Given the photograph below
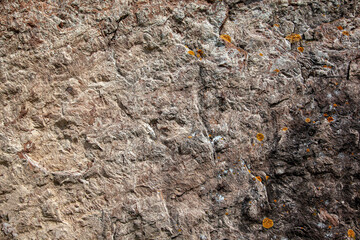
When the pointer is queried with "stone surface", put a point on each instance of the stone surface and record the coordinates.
(110, 129)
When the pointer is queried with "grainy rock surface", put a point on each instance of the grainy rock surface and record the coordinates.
(139, 119)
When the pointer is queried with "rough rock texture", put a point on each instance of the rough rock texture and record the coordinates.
(111, 128)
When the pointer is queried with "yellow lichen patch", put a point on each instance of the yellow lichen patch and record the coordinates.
(225, 37)
(277, 70)
(301, 49)
(260, 137)
(307, 120)
(351, 233)
(284, 129)
(340, 28)
(330, 119)
(293, 37)
(189, 136)
(346, 33)
(267, 177)
(259, 178)
(191, 53)
(276, 25)
(267, 223)
(249, 171)
(179, 230)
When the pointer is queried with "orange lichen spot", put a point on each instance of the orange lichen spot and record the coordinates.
(209, 135)
(260, 137)
(293, 37)
(351, 233)
(330, 119)
(301, 49)
(336, 83)
(191, 53)
(330, 227)
(283, 205)
(340, 28)
(314, 121)
(275, 200)
(218, 157)
(301, 228)
(335, 105)
(250, 202)
(267, 177)
(267, 223)
(259, 178)
(346, 33)
(284, 129)
(261, 54)
(249, 171)
(253, 178)
(325, 115)
(277, 70)
(226, 213)
(307, 150)
(225, 37)
(347, 103)
(307, 120)
(189, 136)
(276, 25)
(200, 54)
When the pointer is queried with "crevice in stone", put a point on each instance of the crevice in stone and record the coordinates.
(123, 17)
(201, 91)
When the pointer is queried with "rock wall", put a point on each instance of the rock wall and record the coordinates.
(164, 119)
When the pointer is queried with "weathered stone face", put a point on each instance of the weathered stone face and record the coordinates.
(127, 119)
